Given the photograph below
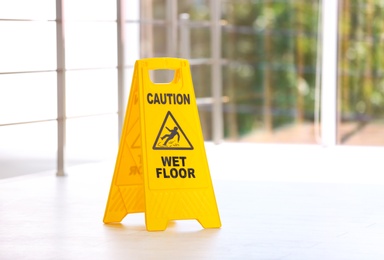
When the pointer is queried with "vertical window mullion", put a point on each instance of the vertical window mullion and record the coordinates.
(61, 93)
(172, 20)
(120, 65)
(329, 72)
(217, 115)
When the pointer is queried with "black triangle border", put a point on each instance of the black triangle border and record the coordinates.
(181, 130)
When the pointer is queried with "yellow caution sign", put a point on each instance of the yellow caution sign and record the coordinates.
(161, 167)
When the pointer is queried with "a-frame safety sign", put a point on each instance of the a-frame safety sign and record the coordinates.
(161, 167)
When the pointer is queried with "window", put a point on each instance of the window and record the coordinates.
(28, 107)
(360, 78)
(256, 68)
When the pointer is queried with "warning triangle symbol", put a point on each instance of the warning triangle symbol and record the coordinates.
(171, 136)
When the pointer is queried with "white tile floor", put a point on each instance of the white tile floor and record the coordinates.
(277, 209)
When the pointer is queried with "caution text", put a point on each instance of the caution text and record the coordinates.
(168, 98)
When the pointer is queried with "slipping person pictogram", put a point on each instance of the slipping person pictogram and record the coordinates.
(172, 134)
(166, 138)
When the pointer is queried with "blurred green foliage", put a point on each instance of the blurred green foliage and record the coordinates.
(271, 53)
(270, 58)
(361, 60)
